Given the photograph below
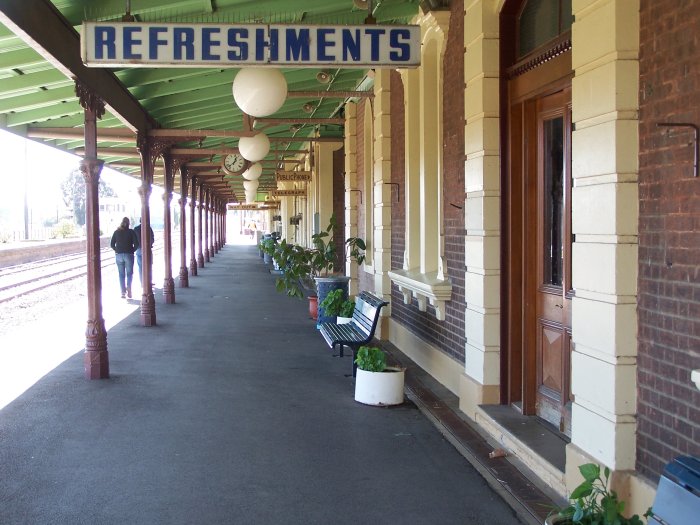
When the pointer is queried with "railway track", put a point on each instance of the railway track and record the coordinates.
(24, 279)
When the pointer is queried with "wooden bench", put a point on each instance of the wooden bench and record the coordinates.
(357, 332)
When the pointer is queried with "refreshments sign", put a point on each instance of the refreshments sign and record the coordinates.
(133, 44)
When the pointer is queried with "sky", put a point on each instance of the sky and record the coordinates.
(39, 169)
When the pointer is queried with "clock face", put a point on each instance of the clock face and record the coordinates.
(234, 163)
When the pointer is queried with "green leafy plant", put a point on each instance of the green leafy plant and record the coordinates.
(293, 261)
(324, 256)
(370, 359)
(593, 503)
(268, 246)
(336, 304)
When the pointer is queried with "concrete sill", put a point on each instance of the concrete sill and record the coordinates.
(425, 287)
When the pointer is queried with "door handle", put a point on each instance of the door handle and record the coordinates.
(559, 305)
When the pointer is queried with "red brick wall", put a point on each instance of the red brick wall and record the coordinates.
(669, 237)
(339, 205)
(447, 335)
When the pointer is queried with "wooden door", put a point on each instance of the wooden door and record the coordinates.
(547, 256)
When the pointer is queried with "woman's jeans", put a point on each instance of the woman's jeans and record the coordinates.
(125, 266)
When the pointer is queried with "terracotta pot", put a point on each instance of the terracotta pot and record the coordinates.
(313, 307)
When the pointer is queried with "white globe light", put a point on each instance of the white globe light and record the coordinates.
(250, 197)
(253, 173)
(250, 185)
(259, 91)
(254, 148)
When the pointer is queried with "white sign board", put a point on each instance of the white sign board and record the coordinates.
(133, 44)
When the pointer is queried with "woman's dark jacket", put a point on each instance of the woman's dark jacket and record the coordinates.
(124, 241)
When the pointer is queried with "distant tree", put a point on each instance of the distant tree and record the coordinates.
(73, 188)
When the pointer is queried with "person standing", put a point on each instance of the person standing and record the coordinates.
(124, 243)
(137, 230)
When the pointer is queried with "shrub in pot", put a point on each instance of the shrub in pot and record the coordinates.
(336, 304)
(377, 384)
(325, 261)
(593, 503)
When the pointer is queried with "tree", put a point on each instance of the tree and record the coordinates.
(74, 196)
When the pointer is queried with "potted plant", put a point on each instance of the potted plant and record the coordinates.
(337, 304)
(593, 503)
(268, 246)
(377, 384)
(324, 262)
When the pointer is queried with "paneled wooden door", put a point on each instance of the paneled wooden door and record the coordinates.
(547, 256)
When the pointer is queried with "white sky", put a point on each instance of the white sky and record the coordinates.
(43, 168)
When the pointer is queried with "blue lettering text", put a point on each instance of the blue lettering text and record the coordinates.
(154, 41)
(208, 43)
(130, 42)
(237, 44)
(297, 45)
(183, 38)
(351, 46)
(397, 41)
(374, 42)
(104, 38)
(323, 44)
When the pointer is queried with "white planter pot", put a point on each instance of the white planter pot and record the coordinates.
(380, 388)
(342, 320)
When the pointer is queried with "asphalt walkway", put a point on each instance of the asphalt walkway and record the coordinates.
(230, 411)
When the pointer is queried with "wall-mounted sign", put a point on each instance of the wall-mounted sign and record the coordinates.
(261, 206)
(133, 44)
(295, 176)
(288, 193)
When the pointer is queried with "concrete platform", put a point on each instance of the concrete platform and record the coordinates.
(230, 410)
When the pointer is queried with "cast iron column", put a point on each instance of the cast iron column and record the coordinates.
(169, 282)
(148, 154)
(217, 224)
(184, 279)
(200, 254)
(207, 203)
(96, 357)
(193, 200)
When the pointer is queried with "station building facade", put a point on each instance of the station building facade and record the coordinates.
(533, 225)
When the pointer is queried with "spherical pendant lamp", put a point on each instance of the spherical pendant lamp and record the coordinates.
(253, 173)
(259, 91)
(250, 185)
(254, 148)
(250, 196)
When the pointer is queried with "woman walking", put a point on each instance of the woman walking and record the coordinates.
(124, 243)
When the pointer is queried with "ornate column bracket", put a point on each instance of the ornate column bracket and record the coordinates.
(88, 99)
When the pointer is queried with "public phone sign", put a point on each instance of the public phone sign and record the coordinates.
(131, 44)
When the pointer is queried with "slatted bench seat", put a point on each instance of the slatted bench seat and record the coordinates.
(357, 332)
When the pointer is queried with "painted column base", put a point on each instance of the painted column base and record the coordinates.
(184, 278)
(206, 255)
(148, 310)
(169, 291)
(96, 358)
(472, 394)
(200, 260)
(193, 267)
(96, 364)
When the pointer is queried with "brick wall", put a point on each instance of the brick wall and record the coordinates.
(447, 335)
(669, 237)
(339, 205)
